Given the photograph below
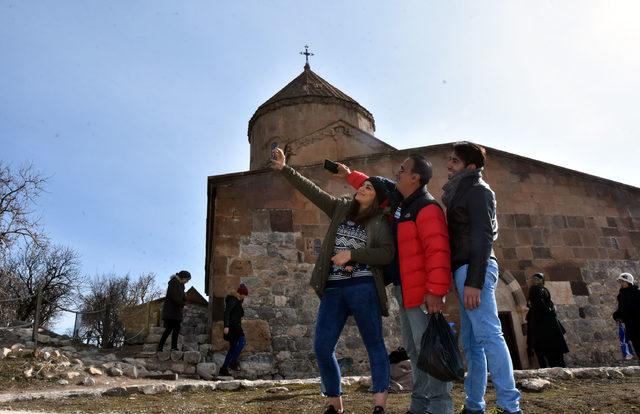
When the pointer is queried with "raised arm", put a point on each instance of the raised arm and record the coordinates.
(323, 200)
(355, 178)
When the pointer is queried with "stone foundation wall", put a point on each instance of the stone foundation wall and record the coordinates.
(194, 332)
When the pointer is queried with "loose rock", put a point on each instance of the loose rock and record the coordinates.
(206, 370)
(88, 382)
(69, 375)
(535, 384)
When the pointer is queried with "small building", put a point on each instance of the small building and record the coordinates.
(578, 229)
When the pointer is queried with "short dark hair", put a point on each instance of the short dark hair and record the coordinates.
(470, 153)
(183, 274)
(422, 167)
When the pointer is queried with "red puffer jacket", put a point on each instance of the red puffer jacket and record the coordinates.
(420, 229)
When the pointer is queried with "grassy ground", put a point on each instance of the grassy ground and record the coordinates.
(575, 396)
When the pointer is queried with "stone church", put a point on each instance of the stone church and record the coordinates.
(581, 231)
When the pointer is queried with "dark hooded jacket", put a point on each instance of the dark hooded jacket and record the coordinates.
(233, 313)
(629, 312)
(545, 334)
(174, 300)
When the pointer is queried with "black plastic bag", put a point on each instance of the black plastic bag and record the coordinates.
(439, 353)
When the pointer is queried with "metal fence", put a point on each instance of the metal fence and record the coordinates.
(35, 324)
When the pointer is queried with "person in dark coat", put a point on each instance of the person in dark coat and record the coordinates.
(628, 310)
(545, 334)
(172, 309)
(233, 313)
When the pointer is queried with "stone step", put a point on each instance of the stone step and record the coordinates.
(152, 339)
(156, 330)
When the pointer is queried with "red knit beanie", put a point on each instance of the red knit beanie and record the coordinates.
(242, 290)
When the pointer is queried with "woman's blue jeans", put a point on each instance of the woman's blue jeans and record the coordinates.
(235, 347)
(337, 304)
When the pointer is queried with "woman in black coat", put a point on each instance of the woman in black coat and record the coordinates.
(545, 334)
(233, 313)
(172, 309)
(628, 310)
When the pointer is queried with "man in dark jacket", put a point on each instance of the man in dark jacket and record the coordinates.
(233, 313)
(628, 310)
(473, 228)
(545, 334)
(172, 309)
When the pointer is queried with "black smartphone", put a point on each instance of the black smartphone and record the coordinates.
(274, 145)
(331, 166)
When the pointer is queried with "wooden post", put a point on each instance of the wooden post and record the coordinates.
(147, 328)
(36, 321)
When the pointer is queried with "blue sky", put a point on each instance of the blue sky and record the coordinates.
(129, 106)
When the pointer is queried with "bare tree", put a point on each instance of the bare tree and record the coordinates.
(54, 268)
(18, 192)
(145, 289)
(107, 296)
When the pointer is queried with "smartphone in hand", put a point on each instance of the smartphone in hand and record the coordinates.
(274, 145)
(331, 166)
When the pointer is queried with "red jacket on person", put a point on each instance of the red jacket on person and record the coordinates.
(423, 250)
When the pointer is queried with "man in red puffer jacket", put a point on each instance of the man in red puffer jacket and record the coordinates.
(421, 271)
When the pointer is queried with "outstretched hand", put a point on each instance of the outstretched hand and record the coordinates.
(278, 160)
(343, 170)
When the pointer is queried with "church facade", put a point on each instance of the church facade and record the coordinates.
(581, 231)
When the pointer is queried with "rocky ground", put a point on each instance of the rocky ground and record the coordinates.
(76, 379)
(594, 395)
(68, 363)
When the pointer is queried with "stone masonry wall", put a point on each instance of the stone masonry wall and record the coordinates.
(580, 231)
(193, 332)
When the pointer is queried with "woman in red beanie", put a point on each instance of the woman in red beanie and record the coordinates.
(233, 313)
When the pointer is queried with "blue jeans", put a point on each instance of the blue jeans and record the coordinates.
(429, 394)
(235, 348)
(484, 344)
(361, 301)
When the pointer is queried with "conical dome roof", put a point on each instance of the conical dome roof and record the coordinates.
(308, 87)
